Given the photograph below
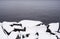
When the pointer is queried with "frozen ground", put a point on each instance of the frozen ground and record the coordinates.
(29, 29)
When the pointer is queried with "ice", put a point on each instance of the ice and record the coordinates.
(54, 27)
(57, 34)
(59, 30)
(31, 35)
(46, 35)
(41, 28)
(7, 27)
(0, 23)
(34, 29)
(30, 28)
(2, 35)
(43, 34)
(17, 27)
(26, 23)
(13, 35)
(53, 37)
(30, 25)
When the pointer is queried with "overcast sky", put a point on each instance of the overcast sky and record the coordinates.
(46, 11)
(29, 0)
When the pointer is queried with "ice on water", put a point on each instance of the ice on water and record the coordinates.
(34, 30)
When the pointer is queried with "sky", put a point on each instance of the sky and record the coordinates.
(29, 0)
(41, 10)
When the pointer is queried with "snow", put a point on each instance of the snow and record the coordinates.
(54, 27)
(58, 34)
(7, 27)
(59, 30)
(29, 22)
(13, 35)
(31, 29)
(2, 35)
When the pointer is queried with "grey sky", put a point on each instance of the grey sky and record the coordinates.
(29, 0)
(46, 11)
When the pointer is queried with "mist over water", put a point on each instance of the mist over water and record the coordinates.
(45, 11)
